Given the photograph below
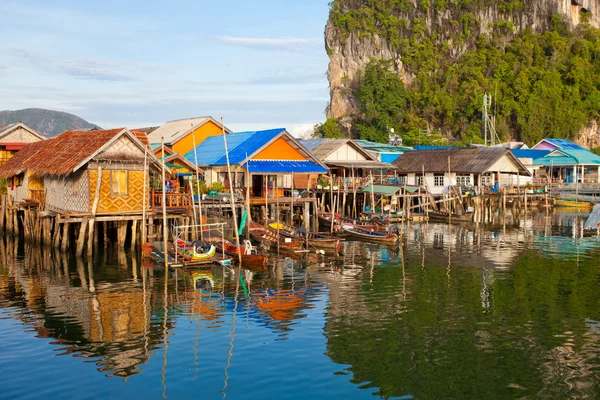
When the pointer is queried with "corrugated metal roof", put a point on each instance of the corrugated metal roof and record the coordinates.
(423, 147)
(563, 144)
(561, 157)
(528, 153)
(172, 131)
(283, 166)
(382, 189)
(381, 147)
(212, 149)
(466, 160)
(255, 141)
(310, 144)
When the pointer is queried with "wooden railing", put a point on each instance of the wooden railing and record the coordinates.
(174, 200)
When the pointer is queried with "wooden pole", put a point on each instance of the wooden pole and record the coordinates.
(81, 236)
(292, 203)
(164, 208)
(450, 182)
(198, 182)
(233, 211)
(372, 191)
(144, 199)
(92, 221)
(331, 202)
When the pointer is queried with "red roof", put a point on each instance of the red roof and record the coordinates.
(59, 156)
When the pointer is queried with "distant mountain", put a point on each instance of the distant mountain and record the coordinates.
(47, 122)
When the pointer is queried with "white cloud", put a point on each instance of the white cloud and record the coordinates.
(271, 43)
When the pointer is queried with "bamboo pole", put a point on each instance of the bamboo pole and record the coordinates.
(198, 183)
(92, 221)
(292, 203)
(235, 224)
(145, 193)
(164, 209)
(450, 182)
(331, 202)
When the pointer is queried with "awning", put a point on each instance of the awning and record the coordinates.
(360, 164)
(284, 167)
(382, 189)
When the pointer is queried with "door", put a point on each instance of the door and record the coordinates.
(258, 185)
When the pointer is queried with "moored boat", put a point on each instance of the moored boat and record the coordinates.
(270, 237)
(447, 217)
(567, 203)
(251, 256)
(372, 235)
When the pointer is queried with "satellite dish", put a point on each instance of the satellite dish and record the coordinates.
(392, 130)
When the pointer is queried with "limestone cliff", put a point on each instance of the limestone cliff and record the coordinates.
(351, 45)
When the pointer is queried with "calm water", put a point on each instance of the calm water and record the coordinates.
(456, 312)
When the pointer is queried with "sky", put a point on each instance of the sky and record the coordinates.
(260, 64)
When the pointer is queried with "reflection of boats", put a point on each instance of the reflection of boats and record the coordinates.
(566, 203)
(446, 217)
(270, 237)
(203, 280)
(373, 235)
(280, 305)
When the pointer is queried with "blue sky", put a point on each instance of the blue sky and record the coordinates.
(261, 64)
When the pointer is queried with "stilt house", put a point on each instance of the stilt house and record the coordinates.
(438, 170)
(179, 135)
(14, 137)
(82, 173)
(262, 162)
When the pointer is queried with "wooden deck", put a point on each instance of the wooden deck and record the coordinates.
(255, 201)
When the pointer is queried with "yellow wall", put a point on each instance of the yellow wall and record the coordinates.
(111, 204)
(279, 150)
(185, 144)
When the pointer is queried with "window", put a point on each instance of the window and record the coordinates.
(438, 180)
(419, 180)
(463, 180)
(486, 180)
(119, 185)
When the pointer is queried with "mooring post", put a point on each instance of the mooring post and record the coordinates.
(81, 237)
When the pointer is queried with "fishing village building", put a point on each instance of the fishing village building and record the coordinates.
(180, 135)
(81, 177)
(349, 163)
(14, 137)
(438, 170)
(383, 152)
(268, 167)
(182, 168)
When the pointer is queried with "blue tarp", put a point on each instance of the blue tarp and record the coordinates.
(284, 167)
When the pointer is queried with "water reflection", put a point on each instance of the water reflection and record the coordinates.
(460, 311)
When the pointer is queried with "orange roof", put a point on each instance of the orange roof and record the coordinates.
(59, 156)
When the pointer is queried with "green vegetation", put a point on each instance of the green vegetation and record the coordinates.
(545, 84)
(330, 129)
(385, 103)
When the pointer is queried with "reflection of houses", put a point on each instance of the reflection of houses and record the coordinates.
(14, 137)
(270, 158)
(75, 167)
(481, 166)
(179, 135)
(345, 158)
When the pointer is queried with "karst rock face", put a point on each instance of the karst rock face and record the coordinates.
(350, 51)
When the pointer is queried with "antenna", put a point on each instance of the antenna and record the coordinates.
(489, 121)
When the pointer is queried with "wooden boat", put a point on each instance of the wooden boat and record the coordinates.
(318, 240)
(265, 235)
(445, 216)
(251, 256)
(360, 232)
(580, 205)
(196, 251)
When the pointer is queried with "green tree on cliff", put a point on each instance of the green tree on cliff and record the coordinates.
(330, 129)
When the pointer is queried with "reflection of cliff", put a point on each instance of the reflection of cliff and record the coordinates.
(464, 332)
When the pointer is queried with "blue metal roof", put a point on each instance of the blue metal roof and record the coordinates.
(312, 144)
(528, 153)
(254, 142)
(564, 144)
(240, 145)
(423, 147)
(566, 157)
(389, 157)
(283, 166)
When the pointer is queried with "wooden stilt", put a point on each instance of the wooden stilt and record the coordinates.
(134, 224)
(81, 236)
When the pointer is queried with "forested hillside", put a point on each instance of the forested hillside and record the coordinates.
(539, 59)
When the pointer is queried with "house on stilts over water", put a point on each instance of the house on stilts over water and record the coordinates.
(14, 137)
(83, 174)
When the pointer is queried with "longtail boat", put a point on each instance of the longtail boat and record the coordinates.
(371, 235)
(319, 240)
(195, 252)
(251, 256)
(565, 203)
(270, 237)
(446, 217)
